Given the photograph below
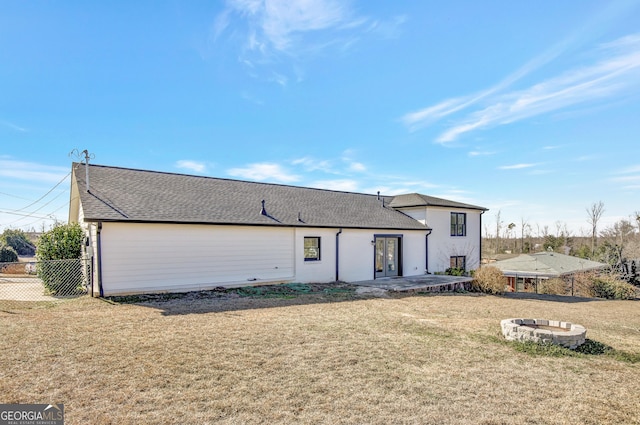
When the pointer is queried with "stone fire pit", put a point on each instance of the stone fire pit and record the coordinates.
(566, 334)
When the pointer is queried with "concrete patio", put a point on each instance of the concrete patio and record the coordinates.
(422, 283)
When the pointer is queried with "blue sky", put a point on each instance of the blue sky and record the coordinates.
(527, 108)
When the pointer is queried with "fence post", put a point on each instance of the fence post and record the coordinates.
(572, 281)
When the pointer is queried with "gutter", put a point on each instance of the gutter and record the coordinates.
(338, 254)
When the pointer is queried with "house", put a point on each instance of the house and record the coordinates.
(150, 231)
(528, 269)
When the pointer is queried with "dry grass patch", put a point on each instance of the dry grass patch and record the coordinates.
(316, 358)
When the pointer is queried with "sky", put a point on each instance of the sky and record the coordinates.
(529, 109)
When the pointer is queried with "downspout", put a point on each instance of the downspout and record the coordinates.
(338, 254)
(426, 251)
(99, 257)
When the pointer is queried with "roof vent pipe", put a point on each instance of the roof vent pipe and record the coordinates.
(86, 167)
(263, 211)
(87, 157)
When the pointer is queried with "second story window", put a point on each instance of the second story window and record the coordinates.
(458, 224)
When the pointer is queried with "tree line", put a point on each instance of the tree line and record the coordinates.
(617, 245)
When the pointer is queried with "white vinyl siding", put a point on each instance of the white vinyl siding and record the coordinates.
(442, 245)
(166, 257)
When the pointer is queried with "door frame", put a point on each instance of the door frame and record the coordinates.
(396, 236)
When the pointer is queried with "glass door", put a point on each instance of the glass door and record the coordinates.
(387, 256)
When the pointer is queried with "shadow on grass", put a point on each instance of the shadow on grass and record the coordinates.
(271, 296)
(588, 349)
(546, 297)
(244, 298)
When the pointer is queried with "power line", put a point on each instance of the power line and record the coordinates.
(33, 212)
(13, 196)
(42, 197)
(49, 216)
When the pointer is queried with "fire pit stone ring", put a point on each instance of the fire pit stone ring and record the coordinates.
(565, 334)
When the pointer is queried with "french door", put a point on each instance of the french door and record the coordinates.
(388, 252)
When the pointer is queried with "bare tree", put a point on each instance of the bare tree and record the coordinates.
(616, 241)
(509, 234)
(594, 215)
(525, 229)
(498, 227)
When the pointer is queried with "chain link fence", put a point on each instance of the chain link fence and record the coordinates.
(44, 280)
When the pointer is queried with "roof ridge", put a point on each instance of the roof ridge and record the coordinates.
(234, 180)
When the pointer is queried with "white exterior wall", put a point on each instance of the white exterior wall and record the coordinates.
(316, 271)
(357, 253)
(139, 258)
(417, 213)
(442, 245)
(143, 258)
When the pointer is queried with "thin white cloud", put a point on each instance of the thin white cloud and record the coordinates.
(357, 167)
(264, 171)
(617, 71)
(13, 126)
(583, 158)
(352, 165)
(388, 29)
(253, 99)
(273, 24)
(516, 166)
(629, 170)
(627, 178)
(195, 166)
(311, 164)
(31, 171)
(331, 166)
(220, 23)
(610, 77)
(427, 116)
(481, 153)
(277, 36)
(344, 185)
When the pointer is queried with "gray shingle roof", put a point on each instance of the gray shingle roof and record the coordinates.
(419, 200)
(128, 195)
(546, 264)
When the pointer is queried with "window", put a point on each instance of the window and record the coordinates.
(458, 262)
(312, 248)
(458, 224)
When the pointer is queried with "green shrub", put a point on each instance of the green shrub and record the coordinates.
(455, 271)
(18, 240)
(8, 254)
(610, 287)
(488, 279)
(63, 242)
